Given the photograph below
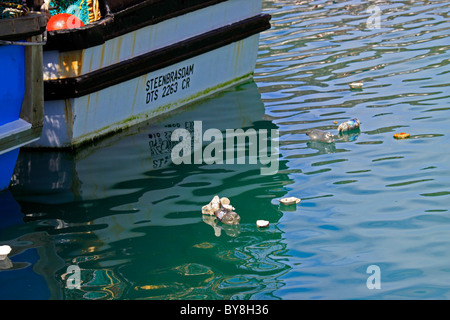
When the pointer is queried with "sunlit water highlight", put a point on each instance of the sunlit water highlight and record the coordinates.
(132, 221)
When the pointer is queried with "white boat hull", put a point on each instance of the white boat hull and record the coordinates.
(70, 122)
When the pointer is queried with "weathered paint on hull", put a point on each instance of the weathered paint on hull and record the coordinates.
(71, 122)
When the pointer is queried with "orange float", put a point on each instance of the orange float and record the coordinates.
(401, 135)
(63, 21)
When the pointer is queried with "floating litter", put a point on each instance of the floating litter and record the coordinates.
(356, 85)
(320, 135)
(262, 223)
(289, 201)
(222, 210)
(401, 135)
(349, 125)
(4, 251)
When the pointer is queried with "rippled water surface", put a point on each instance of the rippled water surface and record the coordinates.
(132, 222)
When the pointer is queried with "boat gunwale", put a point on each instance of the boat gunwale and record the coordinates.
(23, 27)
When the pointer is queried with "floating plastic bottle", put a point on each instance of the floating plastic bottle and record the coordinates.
(349, 125)
(229, 217)
(222, 210)
(320, 135)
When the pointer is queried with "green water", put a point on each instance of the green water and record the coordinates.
(131, 220)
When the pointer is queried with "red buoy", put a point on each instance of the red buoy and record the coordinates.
(63, 21)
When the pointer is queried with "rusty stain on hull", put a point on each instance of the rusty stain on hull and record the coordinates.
(70, 63)
(102, 58)
(118, 49)
(134, 44)
(68, 113)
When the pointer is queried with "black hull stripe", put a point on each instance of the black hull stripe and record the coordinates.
(123, 71)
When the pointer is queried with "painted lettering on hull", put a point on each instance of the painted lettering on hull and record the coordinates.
(168, 84)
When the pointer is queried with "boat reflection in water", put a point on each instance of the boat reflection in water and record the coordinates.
(131, 219)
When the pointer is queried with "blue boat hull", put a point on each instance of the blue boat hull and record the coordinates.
(21, 87)
(12, 82)
(12, 89)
